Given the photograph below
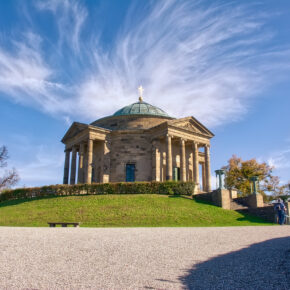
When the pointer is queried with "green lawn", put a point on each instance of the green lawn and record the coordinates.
(121, 211)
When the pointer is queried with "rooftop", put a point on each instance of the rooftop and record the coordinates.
(141, 108)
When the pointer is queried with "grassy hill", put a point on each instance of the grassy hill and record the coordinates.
(138, 210)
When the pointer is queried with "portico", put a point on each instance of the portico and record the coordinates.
(182, 157)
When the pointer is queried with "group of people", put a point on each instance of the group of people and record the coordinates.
(280, 208)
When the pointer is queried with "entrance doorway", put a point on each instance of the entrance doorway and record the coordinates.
(130, 172)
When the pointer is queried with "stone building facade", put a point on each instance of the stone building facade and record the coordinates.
(140, 142)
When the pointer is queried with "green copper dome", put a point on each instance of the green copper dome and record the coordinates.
(141, 108)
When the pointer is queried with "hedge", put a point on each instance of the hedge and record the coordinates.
(168, 188)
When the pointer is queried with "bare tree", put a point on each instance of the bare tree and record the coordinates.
(10, 177)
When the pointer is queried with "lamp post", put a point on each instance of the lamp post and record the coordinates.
(219, 173)
(255, 180)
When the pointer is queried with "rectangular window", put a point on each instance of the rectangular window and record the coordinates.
(130, 172)
(176, 174)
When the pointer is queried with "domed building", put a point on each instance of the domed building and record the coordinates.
(139, 142)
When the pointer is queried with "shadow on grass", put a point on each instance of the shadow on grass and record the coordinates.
(203, 201)
(24, 200)
(253, 219)
(245, 215)
(264, 265)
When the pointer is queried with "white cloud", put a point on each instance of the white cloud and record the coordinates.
(192, 60)
(70, 17)
(280, 159)
(27, 79)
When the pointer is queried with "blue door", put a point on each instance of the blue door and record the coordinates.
(130, 172)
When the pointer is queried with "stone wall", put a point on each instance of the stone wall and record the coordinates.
(130, 122)
(253, 200)
(267, 212)
(221, 197)
(130, 148)
(233, 193)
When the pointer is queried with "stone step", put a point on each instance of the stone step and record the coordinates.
(237, 206)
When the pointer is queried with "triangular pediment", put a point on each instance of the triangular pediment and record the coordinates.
(74, 129)
(191, 124)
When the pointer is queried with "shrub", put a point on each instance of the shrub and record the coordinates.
(168, 188)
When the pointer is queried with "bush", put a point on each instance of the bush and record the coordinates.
(168, 188)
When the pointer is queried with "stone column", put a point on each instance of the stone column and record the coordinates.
(203, 177)
(89, 161)
(168, 158)
(73, 165)
(81, 164)
(101, 160)
(66, 166)
(195, 165)
(155, 161)
(207, 168)
(182, 160)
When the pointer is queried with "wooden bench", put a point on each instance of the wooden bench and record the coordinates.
(53, 225)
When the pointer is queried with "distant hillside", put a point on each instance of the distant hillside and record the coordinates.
(121, 211)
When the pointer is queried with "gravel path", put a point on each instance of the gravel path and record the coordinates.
(145, 258)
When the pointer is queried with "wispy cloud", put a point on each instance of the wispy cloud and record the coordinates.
(192, 60)
(70, 17)
(280, 159)
(27, 78)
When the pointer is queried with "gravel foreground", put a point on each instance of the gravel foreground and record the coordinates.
(145, 258)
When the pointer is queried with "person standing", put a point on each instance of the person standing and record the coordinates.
(280, 209)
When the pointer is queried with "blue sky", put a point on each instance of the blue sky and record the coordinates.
(227, 63)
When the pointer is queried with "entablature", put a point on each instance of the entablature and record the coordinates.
(79, 133)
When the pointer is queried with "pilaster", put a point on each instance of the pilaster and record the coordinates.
(105, 162)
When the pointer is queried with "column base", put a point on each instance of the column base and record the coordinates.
(196, 189)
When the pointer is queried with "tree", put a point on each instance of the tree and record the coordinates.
(239, 172)
(10, 177)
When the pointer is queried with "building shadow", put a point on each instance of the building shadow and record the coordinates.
(245, 215)
(264, 265)
(25, 200)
